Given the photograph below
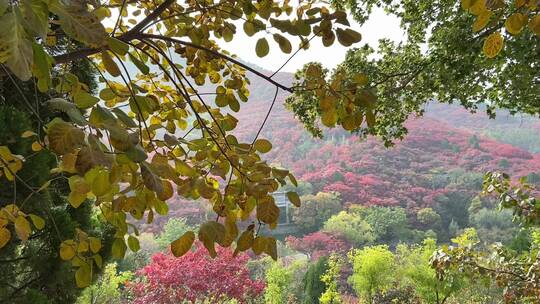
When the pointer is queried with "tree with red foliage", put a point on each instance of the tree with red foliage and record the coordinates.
(318, 244)
(195, 276)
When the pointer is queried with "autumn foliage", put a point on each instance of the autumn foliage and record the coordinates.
(195, 276)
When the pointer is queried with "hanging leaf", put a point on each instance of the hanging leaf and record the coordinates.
(481, 21)
(67, 250)
(79, 23)
(118, 248)
(64, 137)
(15, 50)
(117, 46)
(262, 48)
(139, 64)
(210, 233)
(284, 43)
(38, 222)
(36, 16)
(294, 198)
(83, 276)
(262, 145)
(493, 45)
(348, 37)
(182, 245)
(534, 24)
(109, 64)
(60, 104)
(515, 23)
(133, 243)
(267, 211)
(5, 236)
(84, 100)
(95, 244)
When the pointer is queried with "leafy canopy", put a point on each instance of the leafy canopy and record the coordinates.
(150, 133)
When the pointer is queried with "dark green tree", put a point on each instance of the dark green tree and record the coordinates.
(313, 286)
(32, 272)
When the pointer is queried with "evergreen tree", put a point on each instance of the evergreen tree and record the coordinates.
(32, 272)
(313, 286)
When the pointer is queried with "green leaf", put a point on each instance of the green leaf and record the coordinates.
(133, 243)
(262, 48)
(128, 121)
(284, 43)
(64, 138)
(36, 17)
(271, 248)
(109, 64)
(41, 67)
(4, 4)
(136, 154)
(294, 198)
(38, 221)
(83, 276)
(182, 245)
(118, 248)
(210, 233)
(267, 211)
(79, 23)
(84, 100)
(117, 46)
(348, 37)
(139, 64)
(69, 108)
(15, 50)
(263, 145)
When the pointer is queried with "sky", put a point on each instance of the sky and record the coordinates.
(380, 25)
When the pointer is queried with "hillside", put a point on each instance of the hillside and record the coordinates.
(439, 164)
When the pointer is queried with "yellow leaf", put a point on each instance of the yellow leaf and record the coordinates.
(209, 233)
(478, 7)
(481, 21)
(182, 245)
(27, 134)
(329, 118)
(83, 276)
(167, 192)
(259, 245)
(515, 23)
(82, 246)
(534, 24)
(267, 211)
(36, 146)
(68, 163)
(466, 4)
(293, 198)
(493, 45)
(99, 261)
(101, 184)
(263, 145)
(271, 248)
(245, 241)
(22, 228)
(64, 137)
(95, 244)
(5, 235)
(109, 64)
(38, 222)
(67, 250)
